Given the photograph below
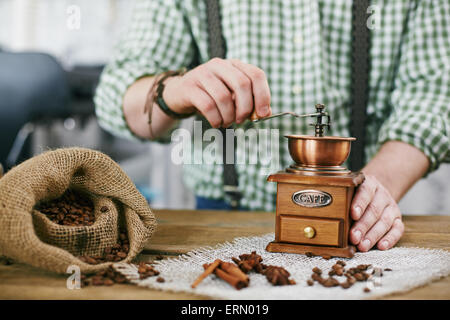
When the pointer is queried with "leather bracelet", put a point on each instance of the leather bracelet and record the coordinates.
(155, 95)
(162, 104)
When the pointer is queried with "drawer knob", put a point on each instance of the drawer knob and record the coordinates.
(309, 232)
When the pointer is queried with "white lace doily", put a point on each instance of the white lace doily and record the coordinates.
(411, 267)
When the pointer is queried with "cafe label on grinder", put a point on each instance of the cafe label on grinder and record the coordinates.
(312, 198)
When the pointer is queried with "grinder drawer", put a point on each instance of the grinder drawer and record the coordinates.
(318, 231)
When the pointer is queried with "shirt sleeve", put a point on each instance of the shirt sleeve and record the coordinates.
(421, 96)
(157, 40)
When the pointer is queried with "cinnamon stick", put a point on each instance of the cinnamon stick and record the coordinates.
(210, 269)
(234, 281)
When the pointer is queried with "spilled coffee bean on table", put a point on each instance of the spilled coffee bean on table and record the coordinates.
(110, 276)
(114, 253)
(359, 273)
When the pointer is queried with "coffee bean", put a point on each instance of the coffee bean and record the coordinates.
(359, 276)
(351, 280)
(352, 271)
(363, 267)
(330, 282)
(334, 281)
(336, 267)
(310, 282)
(108, 282)
(342, 263)
(316, 277)
(142, 269)
(339, 272)
(160, 279)
(317, 270)
(121, 254)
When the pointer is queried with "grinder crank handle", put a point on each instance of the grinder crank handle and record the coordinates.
(254, 116)
(318, 114)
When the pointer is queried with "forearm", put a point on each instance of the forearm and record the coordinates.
(138, 120)
(397, 166)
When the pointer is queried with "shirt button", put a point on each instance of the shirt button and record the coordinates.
(296, 90)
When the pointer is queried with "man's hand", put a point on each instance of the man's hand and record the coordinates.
(389, 175)
(378, 219)
(224, 91)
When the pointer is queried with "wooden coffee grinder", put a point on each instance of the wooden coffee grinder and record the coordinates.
(314, 194)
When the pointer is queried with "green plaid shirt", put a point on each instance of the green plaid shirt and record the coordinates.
(304, 47)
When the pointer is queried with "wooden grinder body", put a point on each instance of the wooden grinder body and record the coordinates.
(313, 213)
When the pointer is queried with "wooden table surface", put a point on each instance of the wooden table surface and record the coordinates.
(181, 231)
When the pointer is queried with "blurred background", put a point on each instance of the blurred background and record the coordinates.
(52, 53)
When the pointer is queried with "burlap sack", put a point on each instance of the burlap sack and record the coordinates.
(29, 237)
